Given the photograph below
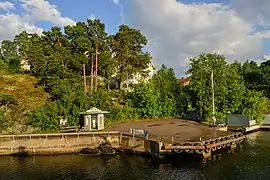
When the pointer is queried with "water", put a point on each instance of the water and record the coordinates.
(253, 162)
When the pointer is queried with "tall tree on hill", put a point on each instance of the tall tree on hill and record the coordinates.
(128, 52)
(22, 43)
(35, 56)
(3, 64)
(10, 55)
(84, 38)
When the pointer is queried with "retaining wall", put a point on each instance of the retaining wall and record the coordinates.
(55, 143)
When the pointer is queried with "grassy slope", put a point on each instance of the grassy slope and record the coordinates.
(28, 97)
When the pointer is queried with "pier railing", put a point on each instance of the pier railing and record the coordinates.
(53, 135)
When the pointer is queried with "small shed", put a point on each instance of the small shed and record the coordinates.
(238, 120)
(92, 119)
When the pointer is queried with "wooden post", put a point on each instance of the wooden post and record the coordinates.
(96, 65)
(84, 78)
(207, 156)
(92, 73)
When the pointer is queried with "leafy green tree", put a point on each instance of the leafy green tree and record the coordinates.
(172, 94)
(10, 55)
(45, 119)
(252, 75)
(162, 96)
(265, 78)
(255, 105)
(3, 64)
(228, 85)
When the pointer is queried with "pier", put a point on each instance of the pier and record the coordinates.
(157, 139)
(179, 136)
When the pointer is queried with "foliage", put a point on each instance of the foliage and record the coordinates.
(45, 118)
(161, 97)
(146, 99)
(57, 59)
(127, 47)
(3, 120)
(6, 100)
(120, 114)
(228, 85)
(3, 64)
(255, 105)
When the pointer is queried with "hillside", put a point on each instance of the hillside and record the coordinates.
(25, 96)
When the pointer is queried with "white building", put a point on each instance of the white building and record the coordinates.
(134, 79)
(25, 66)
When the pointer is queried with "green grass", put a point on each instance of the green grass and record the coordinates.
(23, 88)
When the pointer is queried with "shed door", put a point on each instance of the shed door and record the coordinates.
(94, 122)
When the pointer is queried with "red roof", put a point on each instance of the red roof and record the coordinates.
(184, 81)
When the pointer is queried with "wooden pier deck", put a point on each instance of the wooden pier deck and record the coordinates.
(174, 130)
(177, 136)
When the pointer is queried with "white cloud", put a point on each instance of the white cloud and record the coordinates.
(11, 24)
(121, 14)
(35, 11)
(92, 17)
(115, 1)
(6, 5)
(42, 10)
(177, 31)
(256, 11)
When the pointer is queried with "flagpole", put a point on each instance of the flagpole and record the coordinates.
(213, 99)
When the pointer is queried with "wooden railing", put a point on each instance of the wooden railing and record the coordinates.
(78, 134)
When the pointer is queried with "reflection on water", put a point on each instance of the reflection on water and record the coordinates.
(253, 162)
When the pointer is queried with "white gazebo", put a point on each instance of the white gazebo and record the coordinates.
(92, 119)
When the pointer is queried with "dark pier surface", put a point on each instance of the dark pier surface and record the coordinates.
(178, 130)
(181, 136)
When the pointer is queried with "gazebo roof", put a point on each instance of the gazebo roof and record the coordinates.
(94, 110)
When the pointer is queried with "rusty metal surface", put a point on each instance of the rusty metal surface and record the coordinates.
(204, 146)
(184, 147)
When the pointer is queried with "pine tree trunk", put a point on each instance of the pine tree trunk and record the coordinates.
(84, 78)
(96, 65)
(92, 74)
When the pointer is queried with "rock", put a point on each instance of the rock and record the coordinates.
(106, 148)
(90, 151)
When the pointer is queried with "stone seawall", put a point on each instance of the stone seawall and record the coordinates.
(42, 144)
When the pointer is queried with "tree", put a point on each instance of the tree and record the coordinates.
(171, 91)
(162, 96)
(251, 73)
(128, 54)
(85, 39)
(10, 55)
(228, 85)
(3, 64)
(265, 78)
(255, 105)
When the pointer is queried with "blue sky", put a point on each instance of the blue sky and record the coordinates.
(176, 30)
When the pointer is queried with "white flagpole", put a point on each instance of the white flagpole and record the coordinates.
(213, 99)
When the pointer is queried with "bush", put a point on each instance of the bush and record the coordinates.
(6, 100)
(255, 105)
(45, 118)
(119, 114)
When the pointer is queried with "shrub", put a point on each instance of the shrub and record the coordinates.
(45, 118)
(119, 114)
(255, 105)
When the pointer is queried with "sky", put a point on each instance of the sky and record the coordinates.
(176, 29)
